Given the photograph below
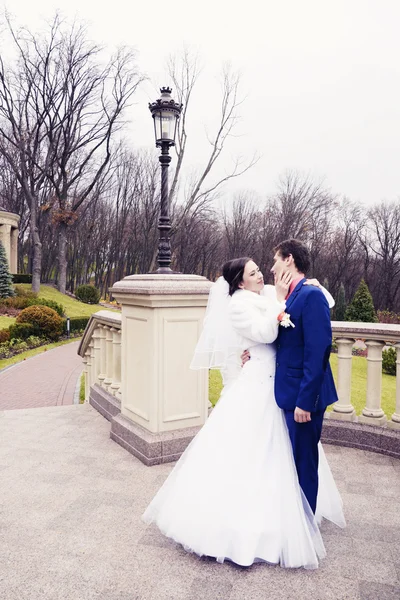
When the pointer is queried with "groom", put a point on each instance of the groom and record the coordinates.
(304, 384)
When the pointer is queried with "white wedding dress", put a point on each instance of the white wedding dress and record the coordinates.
(234, 493)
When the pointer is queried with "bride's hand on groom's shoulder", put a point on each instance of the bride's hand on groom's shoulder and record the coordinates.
(313, 282)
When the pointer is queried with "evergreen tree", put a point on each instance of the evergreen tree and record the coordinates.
(361, 308)
(340, 308)
(6, 287)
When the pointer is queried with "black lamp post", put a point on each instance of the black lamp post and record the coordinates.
(165, 112)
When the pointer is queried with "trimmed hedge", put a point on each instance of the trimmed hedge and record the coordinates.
(87, 294)
(21, 331)
(76, 323)
(22, 277)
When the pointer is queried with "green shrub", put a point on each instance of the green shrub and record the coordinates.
(76, 323)
(389, 361)
(87, 294)
(21, 291)
(21, 330)
(46, 322)
(22, 277)
(21, 301)
(33, 341)
(18, 345)
(361, 308)
(5, 351)
(50, 303)
(18, 302)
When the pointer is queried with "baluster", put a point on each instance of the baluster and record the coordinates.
(116, 378)
(109, 359)
(96, 355)
(373, 413)
(343, 408)
(394, 423)
(102, 374)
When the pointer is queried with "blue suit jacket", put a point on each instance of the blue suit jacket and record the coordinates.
(303, 374)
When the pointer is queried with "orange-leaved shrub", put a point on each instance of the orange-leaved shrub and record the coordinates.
(46, 322)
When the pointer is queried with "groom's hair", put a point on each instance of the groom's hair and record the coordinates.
(299, 251)
(232, 272)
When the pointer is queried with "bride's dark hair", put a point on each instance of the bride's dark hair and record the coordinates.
(232, 272)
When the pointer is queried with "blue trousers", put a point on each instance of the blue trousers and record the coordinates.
(304, 438)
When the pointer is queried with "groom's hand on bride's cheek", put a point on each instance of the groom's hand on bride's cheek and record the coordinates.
(245, 356)
(301, 416)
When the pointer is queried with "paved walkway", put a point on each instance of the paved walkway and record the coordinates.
(70, 528)
(48, 379)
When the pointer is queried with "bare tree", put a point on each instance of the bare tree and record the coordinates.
(80, 105)
(384, 223)
(200, 190)
(22, 135)
(301, 203)
(241, 225)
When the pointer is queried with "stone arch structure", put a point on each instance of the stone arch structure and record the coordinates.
(9, 223)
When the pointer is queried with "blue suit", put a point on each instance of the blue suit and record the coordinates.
(304, 378)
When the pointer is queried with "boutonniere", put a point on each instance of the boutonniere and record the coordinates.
(284, 320)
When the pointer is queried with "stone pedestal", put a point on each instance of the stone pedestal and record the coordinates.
(163, 402)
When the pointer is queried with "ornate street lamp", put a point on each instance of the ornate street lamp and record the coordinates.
(165, 112)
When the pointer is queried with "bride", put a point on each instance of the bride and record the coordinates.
(234, 494)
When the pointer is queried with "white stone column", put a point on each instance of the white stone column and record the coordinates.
(109, 359)
(103, 366)
(116, 372)
(14, 251)
(5, 239)
(394, 423)
(373, 414)
(343, 408)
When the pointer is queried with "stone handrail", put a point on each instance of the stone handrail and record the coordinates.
(375, 336)
(100, 349)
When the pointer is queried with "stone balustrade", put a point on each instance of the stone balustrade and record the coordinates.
(375, 336)
(100, 349)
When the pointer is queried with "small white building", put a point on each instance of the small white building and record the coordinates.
(9, 223)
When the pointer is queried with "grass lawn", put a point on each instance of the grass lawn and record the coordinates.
(358, 385)
(73, 308)
(5, 321)
(82, 390)
(7, 362)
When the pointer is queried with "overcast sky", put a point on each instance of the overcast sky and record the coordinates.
(321, 80)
